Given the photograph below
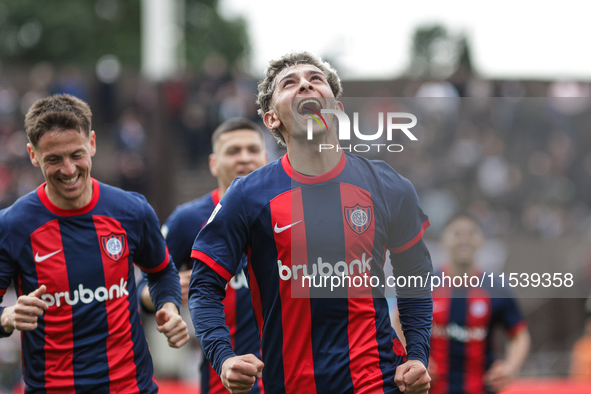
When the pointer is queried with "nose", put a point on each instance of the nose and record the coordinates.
(68, 168)
(305, 85)
(245, 156)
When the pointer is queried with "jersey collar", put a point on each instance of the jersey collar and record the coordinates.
(307, 179)
(215, 197)
(69, 212)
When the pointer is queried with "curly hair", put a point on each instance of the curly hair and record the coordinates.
(266, 87)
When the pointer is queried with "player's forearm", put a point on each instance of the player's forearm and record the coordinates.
(144, 296)
(415, 305)
(517, 350)
(164, 287)
(206, 293)
(415, 318)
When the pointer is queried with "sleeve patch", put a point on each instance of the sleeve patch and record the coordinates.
(215, 212)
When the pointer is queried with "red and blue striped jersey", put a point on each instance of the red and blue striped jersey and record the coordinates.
(180, 230)
(462, 335)
(90, 339)
(293, 225)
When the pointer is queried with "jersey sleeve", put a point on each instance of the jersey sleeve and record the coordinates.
(206, 293)
(411, 259)
(408, 222)
(511, 317)
(180, 236)
(7, 268)
(217, 252)
(224, 237)
(154, 260)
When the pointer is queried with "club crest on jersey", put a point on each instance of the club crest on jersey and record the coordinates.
(113, 245)
(358, 218)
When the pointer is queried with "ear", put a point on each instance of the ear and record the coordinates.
(212, 165)
(340, 106)
(271, 120)
(33, 155)
(92, 143)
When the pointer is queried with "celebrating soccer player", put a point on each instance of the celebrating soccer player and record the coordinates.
(70, 246)
(464, 318)
(310, 214)
(238, 150)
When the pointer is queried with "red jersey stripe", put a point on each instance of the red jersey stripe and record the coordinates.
(215, 383)
(197, 255)
(517, 329)
(160, 266)
(364, 356)
(399, 349)
(298, 360)
(230, 305)
(440, 341)
(413, 241)
(215, 197)
(122, 368)
(50, 264)
(477, 317)
(2, 292)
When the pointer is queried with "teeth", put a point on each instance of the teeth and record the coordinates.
(69, 181)
(315, 102)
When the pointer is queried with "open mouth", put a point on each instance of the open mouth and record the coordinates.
(309, 106)
(70, 182)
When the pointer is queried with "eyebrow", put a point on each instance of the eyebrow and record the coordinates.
(292, 74)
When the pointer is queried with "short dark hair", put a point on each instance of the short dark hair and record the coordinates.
(462, 215)
(267, 86)
(233, 125)
(58, 112)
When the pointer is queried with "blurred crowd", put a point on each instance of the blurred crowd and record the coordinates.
(124, 107)
(516, 154)
(520, 163)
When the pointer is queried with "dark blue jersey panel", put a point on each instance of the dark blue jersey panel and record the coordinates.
(250, 217)
(180, 230)
(93, 320)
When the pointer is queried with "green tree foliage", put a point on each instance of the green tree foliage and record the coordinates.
(207, 32)
(436, 53)
(81, 31)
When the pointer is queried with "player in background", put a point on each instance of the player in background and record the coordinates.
(463, 322)
(70, 246)
(300, 214)
(580, 362)
(238, 150)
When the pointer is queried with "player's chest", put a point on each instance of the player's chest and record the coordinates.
(327, 216)
(65, 253)
(462, 311)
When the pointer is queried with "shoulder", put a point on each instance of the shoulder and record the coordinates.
(387, 178)
(118, 201)
(20, 212)
(263, 183)
(20, 220)
(195, 211)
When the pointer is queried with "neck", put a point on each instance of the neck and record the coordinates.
(306, 158)
(222, 189)
(77, 203)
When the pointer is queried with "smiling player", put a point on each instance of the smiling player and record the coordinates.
(462, 357)
(312, 212)
(70, 246)
(238, 150)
